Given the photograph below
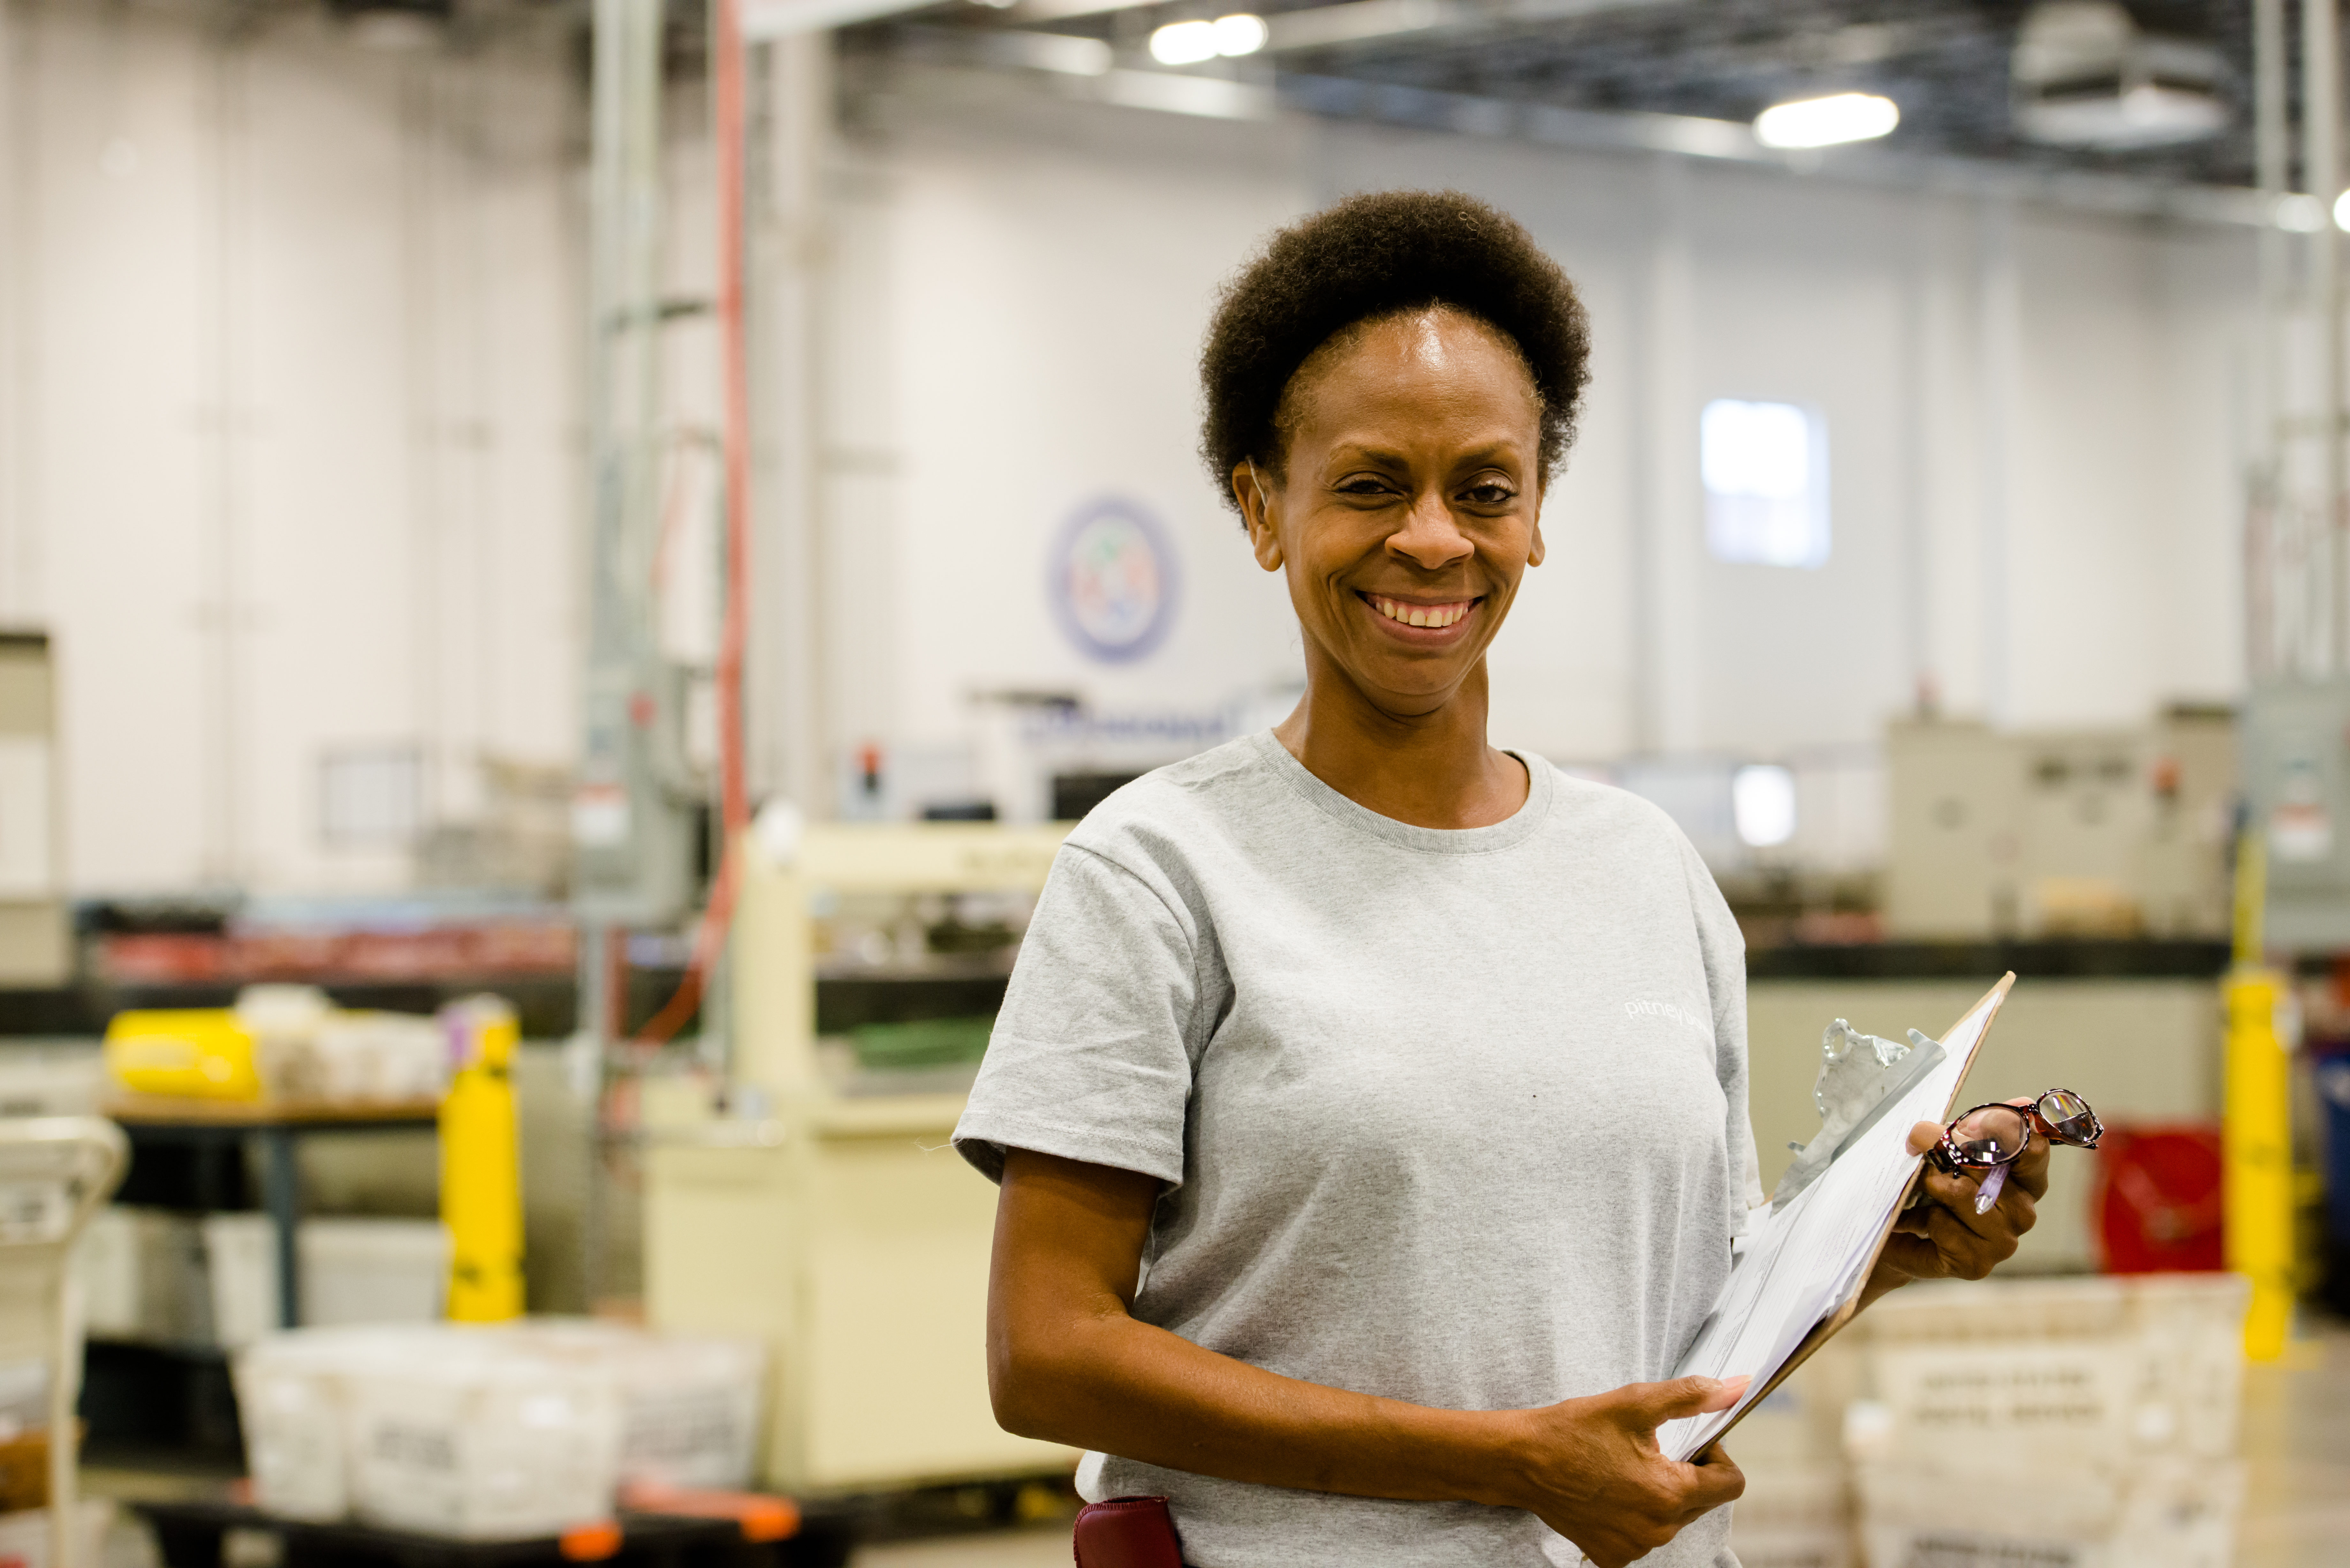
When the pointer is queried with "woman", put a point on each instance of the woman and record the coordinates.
(1370, 1103)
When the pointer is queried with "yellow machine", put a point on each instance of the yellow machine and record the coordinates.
(480, 1163)
(841, 1229)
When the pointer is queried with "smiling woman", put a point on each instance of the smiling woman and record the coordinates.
(1369, 1103)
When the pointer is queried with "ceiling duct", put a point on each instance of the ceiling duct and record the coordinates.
(2085, 75)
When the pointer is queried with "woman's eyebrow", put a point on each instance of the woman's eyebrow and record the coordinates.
(1347, 452)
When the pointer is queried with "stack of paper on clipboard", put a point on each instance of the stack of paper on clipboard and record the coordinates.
(1800, 1278)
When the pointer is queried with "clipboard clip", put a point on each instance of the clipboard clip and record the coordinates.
(1861, 1077)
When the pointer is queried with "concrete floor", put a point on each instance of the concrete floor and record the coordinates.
(2296, 1445)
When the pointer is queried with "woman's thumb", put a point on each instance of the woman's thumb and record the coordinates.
(1692, 1396)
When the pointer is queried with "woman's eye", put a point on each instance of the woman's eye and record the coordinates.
(1490, 494)
(1363, 486)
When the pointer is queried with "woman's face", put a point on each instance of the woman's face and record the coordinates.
(1411, 505)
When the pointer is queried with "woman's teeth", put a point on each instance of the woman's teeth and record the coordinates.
(1421, 615)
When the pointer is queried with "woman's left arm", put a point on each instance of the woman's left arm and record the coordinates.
(1943, 1238)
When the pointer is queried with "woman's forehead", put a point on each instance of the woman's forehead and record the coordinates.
(1426, 363)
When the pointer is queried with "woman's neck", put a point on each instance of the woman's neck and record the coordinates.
(1429, 770)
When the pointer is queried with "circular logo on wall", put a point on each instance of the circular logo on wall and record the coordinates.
(1112, 580)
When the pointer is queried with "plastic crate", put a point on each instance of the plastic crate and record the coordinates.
(143, 1278)
(478, 1443)
(1998, 1376)
(2161, 1513)
(459, 1430)
(689, 1404)
(1792, 1516)
(372, 1270)
(241, 1271)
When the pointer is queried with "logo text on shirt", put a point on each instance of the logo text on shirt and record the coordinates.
(1667, 1009)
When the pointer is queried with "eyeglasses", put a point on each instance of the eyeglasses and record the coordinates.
(1990, 1138)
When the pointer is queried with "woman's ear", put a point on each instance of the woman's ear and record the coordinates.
(1256, 513)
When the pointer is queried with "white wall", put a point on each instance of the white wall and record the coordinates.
(289, 437)
(289, 446)
(2033, 444)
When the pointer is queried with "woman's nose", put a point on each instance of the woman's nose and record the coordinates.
(1430, 538)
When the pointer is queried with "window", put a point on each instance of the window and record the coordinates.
(1765, 467)
(1762, 804)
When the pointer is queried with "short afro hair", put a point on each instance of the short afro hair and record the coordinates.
(1379, 255)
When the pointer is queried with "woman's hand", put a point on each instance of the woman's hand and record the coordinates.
(1590, 1469)
(1068, 1362)
(1942, 1238)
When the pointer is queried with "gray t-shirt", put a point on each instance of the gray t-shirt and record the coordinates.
(1457, 1118)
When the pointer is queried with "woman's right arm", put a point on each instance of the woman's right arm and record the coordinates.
(1068, 1363)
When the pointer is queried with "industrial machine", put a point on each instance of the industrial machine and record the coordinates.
(830, 1220)
(2112, 833)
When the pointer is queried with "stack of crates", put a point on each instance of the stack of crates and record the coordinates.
(483, 1431)
(2078, 1423)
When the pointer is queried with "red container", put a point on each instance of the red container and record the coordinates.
(2158, 1204)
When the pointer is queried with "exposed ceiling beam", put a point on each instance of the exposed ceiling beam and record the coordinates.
(1592, 130)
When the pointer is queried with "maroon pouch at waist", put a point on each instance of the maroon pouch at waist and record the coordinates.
(1127, 1533)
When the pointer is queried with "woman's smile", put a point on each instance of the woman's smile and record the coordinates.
(1420, 623)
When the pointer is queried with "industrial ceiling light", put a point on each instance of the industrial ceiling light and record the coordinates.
(1827, 122)
(2084, 75)
(1239, 34)
(1189, 43)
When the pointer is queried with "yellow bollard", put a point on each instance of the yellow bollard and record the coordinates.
(480, 1163)
(2258, 1142)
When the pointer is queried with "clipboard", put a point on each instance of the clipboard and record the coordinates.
(1846, 1309)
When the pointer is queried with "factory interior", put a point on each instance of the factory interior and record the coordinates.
(566, 567)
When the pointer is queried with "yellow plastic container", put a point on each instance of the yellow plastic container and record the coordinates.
(185, 1053)
(480, 1163)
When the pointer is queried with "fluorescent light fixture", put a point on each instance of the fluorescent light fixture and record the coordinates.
(1827, 122)
(1189, 43)
(1239, 34)
(1184, 42)
(2341, 212)
(1762, 804)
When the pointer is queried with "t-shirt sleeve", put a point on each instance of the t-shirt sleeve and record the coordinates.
(1090, 1058)
(1723, 948)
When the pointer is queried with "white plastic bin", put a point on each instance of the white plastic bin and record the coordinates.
(480, 1442)
(372, 1270)
(2162, 1513)
(689, 1404)
(516, 1430)
(143, 1276)
(1792, 1516)
(241, 1266)
(292, 1401)
(2005, 1376)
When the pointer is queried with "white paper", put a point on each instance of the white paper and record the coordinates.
(1806, 1260)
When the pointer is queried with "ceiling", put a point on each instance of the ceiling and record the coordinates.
(1945, 62)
